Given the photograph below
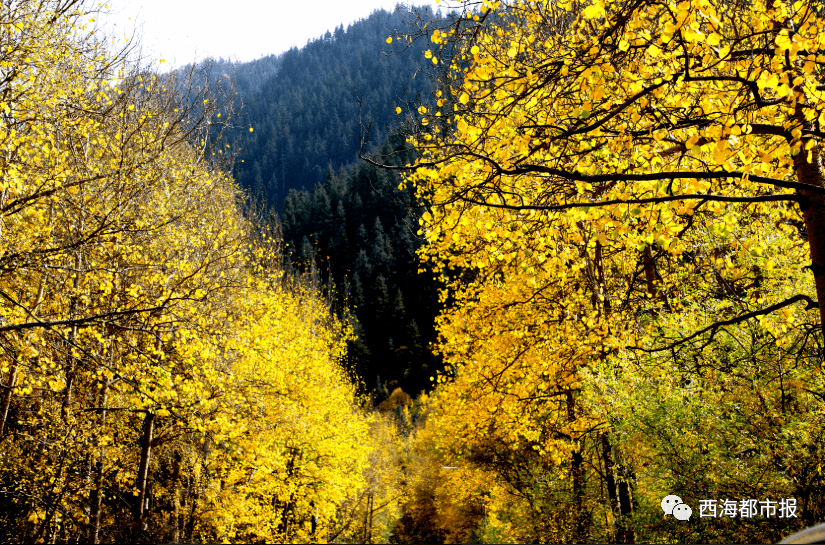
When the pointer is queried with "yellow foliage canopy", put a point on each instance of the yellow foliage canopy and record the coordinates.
(628, 192)
(162, 381)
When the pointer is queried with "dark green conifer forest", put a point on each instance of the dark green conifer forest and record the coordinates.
(357, 233)
(306, 113)
(342, 219)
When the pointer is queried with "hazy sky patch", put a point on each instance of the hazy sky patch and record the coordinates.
(181, 31)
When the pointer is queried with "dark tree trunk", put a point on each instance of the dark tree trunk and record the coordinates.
(609, 476)
(650, 271)
(626, 535)
(190, 524)
(813, 210)
(577, 472)
(812, 204)
(97, 492)
(175, 531)
(7, 395)
(143, 469)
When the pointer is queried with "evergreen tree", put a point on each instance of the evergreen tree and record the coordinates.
(398, 309)
(374, 270)
(380, 299)
(304, 103)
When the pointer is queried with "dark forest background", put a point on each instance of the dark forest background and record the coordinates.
(304, 104)
(345, 222)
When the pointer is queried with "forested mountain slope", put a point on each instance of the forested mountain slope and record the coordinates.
(340, 217)
(305, 116)
(358, 231)
(249, 77)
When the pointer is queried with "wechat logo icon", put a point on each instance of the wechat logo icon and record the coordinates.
(673, 505)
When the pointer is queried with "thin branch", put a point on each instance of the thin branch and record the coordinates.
(714, 328)
(669, 198)
(77, 321)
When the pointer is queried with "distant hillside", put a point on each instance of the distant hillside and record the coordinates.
(358, 229)
(303, 104)
(344, 219)
(249, 76)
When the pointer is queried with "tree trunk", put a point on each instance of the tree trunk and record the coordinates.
(314, 520)
(70, 372)
(599, 259)
(190, 524)
(626, 535)
(372, 512)
(97, 493)
(288, 511)
(577, 472)
(812, 204)
(72, 366)
(143, 468)
(623, 507)
(609, 476)
(813, 210)
(175, 537)
(650, 272)
(368, 521)
(7, 394)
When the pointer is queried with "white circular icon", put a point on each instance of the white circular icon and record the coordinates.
(669, 502)
(682, 511)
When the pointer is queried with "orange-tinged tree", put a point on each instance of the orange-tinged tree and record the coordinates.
(624, 186)
(625, 121)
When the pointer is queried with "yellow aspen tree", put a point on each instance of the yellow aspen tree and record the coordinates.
(612, 184)
(159, 381)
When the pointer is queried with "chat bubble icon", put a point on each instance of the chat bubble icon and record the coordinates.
(682, 511)
(669, 502)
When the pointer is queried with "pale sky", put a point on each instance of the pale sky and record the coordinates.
(181, 31)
